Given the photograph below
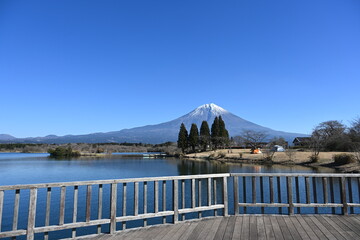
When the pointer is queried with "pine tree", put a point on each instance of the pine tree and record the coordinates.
(215, 133)
(194, 137)
(183, 138)
(223, 133)
(204, 135)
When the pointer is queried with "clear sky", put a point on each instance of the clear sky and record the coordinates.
(74, 67)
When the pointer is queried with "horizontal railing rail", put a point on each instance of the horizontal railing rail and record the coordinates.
(112, 205)
(137, 199)
(296, 191)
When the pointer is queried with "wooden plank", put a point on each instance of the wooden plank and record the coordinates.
(164, 199)
(200, 209)
(182, 198)
(355, 228)
(343, 226)
(322, 228)
(70, 225)
(176, 201)
(136, 198)
(284, 229)
(325, 192)
(260, 228)
(313, 227)
(1, 206)
(268, 228)
(307, 189)
(62, 205)
(12, 233)
(190, 229)
(225, 197)
(16, 209)
(31, 214)
(292, 229)
(100, 205)
(297, 192)
(271, 189)
(156, 196)
(253, 228)
(113, 199)
(236, 195)
(123, 224)
(204, 232)
(279, 193)
(238, 226)
(148, 179)
(338, 228)
(172, 231)
(350, 194)
(253, 191)
(244, 192)
(290, 195)
(315, 194)
(209, 191)
(328, 227)
(332, 196)
(214, 228)
(245, 233)
(229, 228)
(343, 196)
(215, 195)
(299, 228)
(145, 201)
(262, 193)
(88, 203)
(75, 209)
(199, 197)
(193, 193)
(306, 227)
(197, 230)
(221, 230)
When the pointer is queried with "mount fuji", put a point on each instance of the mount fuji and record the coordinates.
(167, 131)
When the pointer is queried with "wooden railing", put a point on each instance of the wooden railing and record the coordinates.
(109, 205)
(168, 198)
(297, 191)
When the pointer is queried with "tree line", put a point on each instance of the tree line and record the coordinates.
(335, 136)
(214, 139)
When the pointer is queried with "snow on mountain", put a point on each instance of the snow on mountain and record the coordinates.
(168, 131)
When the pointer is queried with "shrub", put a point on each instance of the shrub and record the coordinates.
(221, 155)
(314, 158)
(344, 158)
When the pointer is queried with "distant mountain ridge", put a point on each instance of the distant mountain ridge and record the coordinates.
(163, 132)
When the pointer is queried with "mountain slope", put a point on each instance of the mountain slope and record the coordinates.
(167, 131)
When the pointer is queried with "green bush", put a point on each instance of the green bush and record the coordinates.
(344, 158)
(63, 152)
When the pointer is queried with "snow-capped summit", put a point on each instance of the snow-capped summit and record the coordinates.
(207, 109)
(168, 131)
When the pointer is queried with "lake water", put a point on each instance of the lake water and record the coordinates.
(21, 168)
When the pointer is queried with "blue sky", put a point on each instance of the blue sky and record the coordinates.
(74, 67)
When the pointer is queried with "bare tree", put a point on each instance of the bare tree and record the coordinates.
(252, 138)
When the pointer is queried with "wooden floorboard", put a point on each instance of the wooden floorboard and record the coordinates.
(265, 227)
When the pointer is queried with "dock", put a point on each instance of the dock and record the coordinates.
(209, 206)
(249, 227)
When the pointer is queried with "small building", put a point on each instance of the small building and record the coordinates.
(302, 141)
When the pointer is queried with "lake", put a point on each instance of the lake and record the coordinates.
(24, 168)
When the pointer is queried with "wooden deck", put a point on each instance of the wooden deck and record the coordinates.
(250, 227)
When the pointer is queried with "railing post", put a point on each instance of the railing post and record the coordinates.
(176, 200)
(236, 195)
(343, 196)
(31, 215)
(113, 196)
(290, 195)
(225, 196)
